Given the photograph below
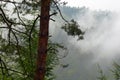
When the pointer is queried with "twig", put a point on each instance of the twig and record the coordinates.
(15, 30)
(12, 70)
(19, 16)
(17, 46)
(10, 1)
(7, 69)
(8, 22)
(60, 12)
(53, 14)
(30, 33)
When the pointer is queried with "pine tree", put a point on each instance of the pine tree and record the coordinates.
(20, 44)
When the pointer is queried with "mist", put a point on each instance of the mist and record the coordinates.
(99, 46)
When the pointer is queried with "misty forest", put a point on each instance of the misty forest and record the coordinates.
(48, 40)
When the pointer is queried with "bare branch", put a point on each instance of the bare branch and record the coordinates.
(15, 30)
(60, 12)
(19, 15)
(8, 1)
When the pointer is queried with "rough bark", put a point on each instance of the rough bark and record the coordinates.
(43, 41)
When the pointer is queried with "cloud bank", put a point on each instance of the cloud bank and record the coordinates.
(100, 45)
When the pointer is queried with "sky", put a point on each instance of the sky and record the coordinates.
(112, 5)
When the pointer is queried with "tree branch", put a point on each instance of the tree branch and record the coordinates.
(8, 1)
(60, 11)
(30, 33)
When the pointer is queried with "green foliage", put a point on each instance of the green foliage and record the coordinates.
(102, 75)
(22, 58)
(73, 29)
(115, 73)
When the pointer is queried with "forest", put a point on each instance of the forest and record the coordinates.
(48, 40)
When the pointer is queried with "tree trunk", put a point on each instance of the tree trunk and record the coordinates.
(43, 41)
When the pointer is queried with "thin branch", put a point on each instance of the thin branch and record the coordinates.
(17, 46)
(4, 17)
(19, 15)
(33, 26)
(52, 19)
(53, 14)
(60, 12)
(8, 1)
(6, 20)
(9, 35)
(7, 69)
(1, 66)
(15, 30)
(31, 30)
(3, 27)
(12, 70)
(19, 31)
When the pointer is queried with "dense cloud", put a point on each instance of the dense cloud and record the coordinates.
(100, 45)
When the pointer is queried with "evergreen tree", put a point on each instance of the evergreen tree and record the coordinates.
(20, 44)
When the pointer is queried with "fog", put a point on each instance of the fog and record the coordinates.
(100, 45)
